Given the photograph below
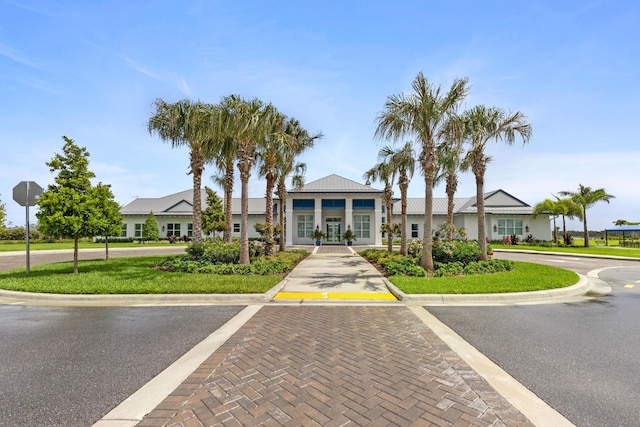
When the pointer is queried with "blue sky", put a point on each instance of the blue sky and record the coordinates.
(91, 70)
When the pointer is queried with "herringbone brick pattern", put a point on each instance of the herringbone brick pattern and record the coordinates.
(334, 366)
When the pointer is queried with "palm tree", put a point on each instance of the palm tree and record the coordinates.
(451, 160)
(549, 207)
(586, 197)
(384, 173)
(286, 167)
(267, 157)
(482, 124)
(569, 209)
(422, 114)
(225, 149)
(403, 162)
(296, 172)
(246, 126)
(185, 123)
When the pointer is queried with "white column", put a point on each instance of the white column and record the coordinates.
(348, 214)
(317, 214)
(377, 221)
(288, 226)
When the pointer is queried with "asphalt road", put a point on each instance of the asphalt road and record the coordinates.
(68, 366)
(582, 358)
(11, 260)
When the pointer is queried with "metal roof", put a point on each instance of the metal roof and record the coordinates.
(181, 203)
(623, 228)
(336, 184)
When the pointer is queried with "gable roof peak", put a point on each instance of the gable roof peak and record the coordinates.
(335, 184)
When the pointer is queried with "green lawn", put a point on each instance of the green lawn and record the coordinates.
(131, 275)
(523, 278)
(8, 246)
(596, 250)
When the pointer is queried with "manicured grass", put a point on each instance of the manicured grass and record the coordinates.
(523, 278)
(131, 275)
(597, 250)
(9, 246)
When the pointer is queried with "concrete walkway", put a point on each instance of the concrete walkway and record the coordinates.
(334, 272)
(348, 361)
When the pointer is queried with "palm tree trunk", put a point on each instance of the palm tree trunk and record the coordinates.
(269, 247)
(427, 237)
(282, 194)
(197, 167)
(245, 174)
(387, 199)
(481, 216)
(452, 186)
(228, 203)
(403, 183)
(585, 228)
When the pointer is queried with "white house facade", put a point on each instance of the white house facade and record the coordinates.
(334, 204)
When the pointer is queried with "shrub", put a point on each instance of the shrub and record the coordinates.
(414, 248)
(456, 251)
(278, 264)
(406, 267)
(449, 269)
(195, 250)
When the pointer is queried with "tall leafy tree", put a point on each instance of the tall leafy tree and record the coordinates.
(108, 217)
(481, 125)
(384, 173)
(186, 123)
(586, 198)
(403, 162)
(422, 114)
(213, 219)
(68, 208)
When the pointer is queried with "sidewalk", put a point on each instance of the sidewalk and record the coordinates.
(360, 364)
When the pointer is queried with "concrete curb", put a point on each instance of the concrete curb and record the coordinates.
(134, 299)
(582, 288)
(525, 251)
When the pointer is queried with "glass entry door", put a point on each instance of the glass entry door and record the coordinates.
(333, 230)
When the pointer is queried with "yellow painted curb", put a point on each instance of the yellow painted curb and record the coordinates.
(335, 295)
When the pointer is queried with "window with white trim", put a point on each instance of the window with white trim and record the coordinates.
(507, 227)
(362, 226)
(138, 230)
(124, 230)
(305, 226)
(173, 229)
(414, 231)
(236, 227)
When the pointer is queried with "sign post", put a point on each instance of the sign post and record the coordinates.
(27, 193)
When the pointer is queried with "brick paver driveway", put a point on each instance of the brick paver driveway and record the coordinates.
(334, 365)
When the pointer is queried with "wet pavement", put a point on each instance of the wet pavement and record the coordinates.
(324, 366)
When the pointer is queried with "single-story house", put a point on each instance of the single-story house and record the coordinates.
(335, 203)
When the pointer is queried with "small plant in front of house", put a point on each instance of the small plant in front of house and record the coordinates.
(317, 235)
(349, 236)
